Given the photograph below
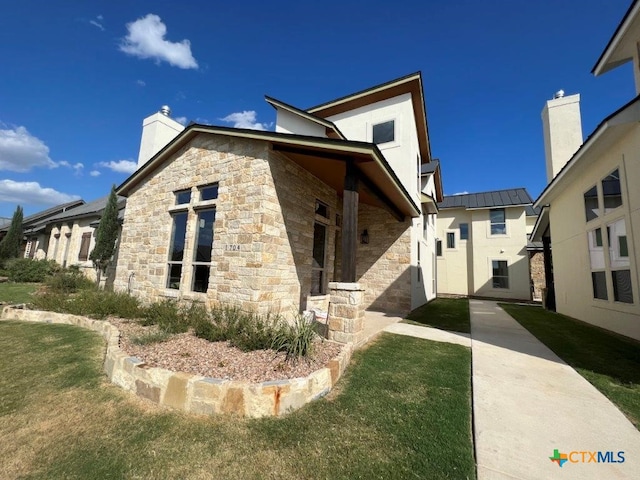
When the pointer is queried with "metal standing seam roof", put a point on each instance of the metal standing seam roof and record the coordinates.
(497, 198)
(31, 221)
(430, 167)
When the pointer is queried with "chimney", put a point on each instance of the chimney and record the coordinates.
(157, 131)
(562, 128)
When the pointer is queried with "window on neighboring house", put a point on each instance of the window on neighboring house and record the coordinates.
(208, 192)
(318, 260)
(176, 250)
(84, 247)
(500, 274)
(498, 221)
(439, 248)
(611, 192)
(183, 196)
(464, 231)
(451, 240)
(203, 247)
(384, 132)
(591, 203)
(619, 259)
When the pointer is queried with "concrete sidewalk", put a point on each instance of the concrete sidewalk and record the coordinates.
(528, 403)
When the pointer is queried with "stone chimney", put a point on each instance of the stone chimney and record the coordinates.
(157, 131)
(562, 128)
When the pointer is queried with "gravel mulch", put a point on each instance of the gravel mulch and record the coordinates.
(187, 353)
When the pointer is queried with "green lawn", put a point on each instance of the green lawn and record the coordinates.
(609, 361)
(17, 292)
(401, 411)
(444, 313)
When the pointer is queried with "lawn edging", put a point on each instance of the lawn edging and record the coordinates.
(195, 393)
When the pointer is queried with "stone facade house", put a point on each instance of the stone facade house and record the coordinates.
(328, 209)
(590, 219)
(482, 244)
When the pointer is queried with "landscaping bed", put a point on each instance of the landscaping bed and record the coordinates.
(184, 352)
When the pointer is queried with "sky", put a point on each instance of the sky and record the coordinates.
(78, 78)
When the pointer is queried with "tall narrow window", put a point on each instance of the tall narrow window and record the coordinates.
(84, 247)
(451, 240)
(500, 274)
(591, 203)
(176, 250)
(599, 282)
(498, 221)
(439, 248)
(384, 132)
(464, 231)
(204, 245)
(620, 264)
(318, 266)
(611, 191)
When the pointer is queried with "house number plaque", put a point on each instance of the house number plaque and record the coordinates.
(232, 247)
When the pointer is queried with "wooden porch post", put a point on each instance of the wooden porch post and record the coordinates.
(349, 223)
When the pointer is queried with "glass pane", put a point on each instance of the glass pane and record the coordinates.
(451, 240)
(316, 281)
(596, 252)
(183, 196)
(622, 286)
(173, 280)
(176, 251)
(500, 268)
(384, 132)
(611, 191)
(201, 278)
(498, 229)
(498, 222)
(439, 248)
(464, 231)
(319, 235)
(591, 204)
(322, 209)
(500, 282)
(618, 248)
(204, 235)
(209, 192)
(497, 215)
(599, 280)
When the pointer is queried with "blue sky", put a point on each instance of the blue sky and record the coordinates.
(78, 78)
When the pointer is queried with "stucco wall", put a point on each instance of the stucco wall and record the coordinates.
(453, 265)
(571, 261)
(287, 122)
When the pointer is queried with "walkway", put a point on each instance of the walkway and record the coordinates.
(528, 403)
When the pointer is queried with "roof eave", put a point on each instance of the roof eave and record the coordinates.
(604, 63)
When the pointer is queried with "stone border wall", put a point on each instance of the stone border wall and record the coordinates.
(194, 393)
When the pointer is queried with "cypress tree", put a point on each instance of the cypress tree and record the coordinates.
(106, 235)
(10, 244)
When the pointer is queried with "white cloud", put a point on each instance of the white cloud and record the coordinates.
(94, 173)
(31, 193)
(20, 151)
(246, 119)
(146, 40)
(141, 83)
(121, 166)
(181, 120)
(462, 193)
(96, 24)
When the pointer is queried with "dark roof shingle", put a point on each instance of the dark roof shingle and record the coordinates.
(497, 198)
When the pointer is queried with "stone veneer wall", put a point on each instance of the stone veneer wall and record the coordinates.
(536, 268)
(384, 264)
(266, 205)
(194, 393)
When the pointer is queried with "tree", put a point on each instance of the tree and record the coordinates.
(10, 244)
(106, 235)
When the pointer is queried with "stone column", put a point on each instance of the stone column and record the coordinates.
(346, 312)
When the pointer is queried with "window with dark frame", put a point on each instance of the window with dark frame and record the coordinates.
(383, 132)
(85, 243)
(183, 197)
(176, 250)
(318, 260)
(451, 240)
(322, 209)
(208, 192)
(498, 222)
(464, 231)
(500, 274)
(203, 247)
(439, 248)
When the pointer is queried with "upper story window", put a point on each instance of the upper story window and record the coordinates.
(209, 192)
(439, 248)
(183, 196)
(451, 240)
(611, 191)
(384, 132)
(322, 209)
(464, 231)
(498, 221)
(591, 203)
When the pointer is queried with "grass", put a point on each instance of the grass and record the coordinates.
(17, 292)
(609, 361)
(403, 411)
(450, 314)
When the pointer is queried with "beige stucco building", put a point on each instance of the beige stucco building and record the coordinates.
(333, 200)
(591, 207)
(482, 244)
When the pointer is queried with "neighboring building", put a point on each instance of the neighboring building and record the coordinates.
(70, 236)
(267, 220)
(482, 244)
(590, 217)
(33, 226)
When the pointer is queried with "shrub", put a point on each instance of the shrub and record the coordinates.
(68, 281)
(149, 338)
(27, 270)
(91, 302)
(295, 339)
(170, 318)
